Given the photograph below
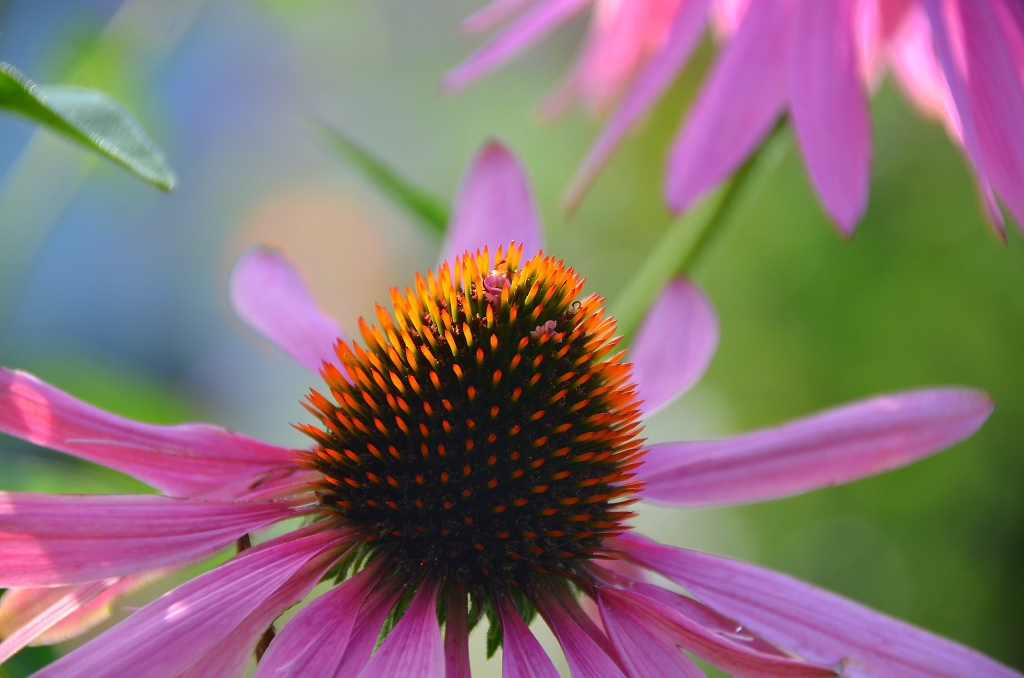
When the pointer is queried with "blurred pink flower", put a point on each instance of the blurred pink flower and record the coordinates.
(407, 511)
(959, 61)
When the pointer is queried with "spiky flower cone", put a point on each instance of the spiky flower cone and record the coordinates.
(484, 434)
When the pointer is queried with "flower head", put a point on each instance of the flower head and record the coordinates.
(957, 61)
(473, 459)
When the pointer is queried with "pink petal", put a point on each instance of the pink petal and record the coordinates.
(456, 636)
(918, 72)
(189, 631)
(727, 15)
(55, 540)
(588, 656)
(625, 36)
(94, 611)
(367, 629)
(829, 107)
(493, 14)
(63, 604)
(43, 616)
(413, 649)
(952, 55)
(643, 616)
(185, 460)
(739, 102)
(994, 44)
(494, 206)
(710, 619)
(313, 643)
(835, 446)
(529, 27)
(522, 656)
(271, 297)
(819, 625)
(232, 656)
(647, 88)
(644, 654)
(674, 345)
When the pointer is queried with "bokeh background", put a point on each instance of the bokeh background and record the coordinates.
(116, 292)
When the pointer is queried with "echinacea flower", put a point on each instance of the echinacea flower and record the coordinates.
(959, 61)
(474, 458)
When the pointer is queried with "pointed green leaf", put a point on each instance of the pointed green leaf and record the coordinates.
(430, 209)
(90, 117)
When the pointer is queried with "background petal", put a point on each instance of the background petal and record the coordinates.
(835, 446)
(185, 460)
(817, 624)
(674, 344)
(532, 25)
(829, 107)
(494, 206)
(648, 86)
(741, 99)
(272, 298)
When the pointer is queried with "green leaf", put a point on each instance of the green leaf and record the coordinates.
(430, 209)
(90, 117)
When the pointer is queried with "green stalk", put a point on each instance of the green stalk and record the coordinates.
(688, 237)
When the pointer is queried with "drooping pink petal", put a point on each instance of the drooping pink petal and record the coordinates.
(829, 107)
(272, 298)
(232, 656)
(364, 635)
(91, 612)
(497, 12)
(494, 205)
(644, 654)
(674, 345)
(313, 642)
(529, 27)
(710, 619)
(456, 636)
(189, 460)
(196, 620)
(522, 655)
(835, 446)
(584, 653)
(414, 648)
(638, 616)
(63, 603)
(56, 540)
(647, 88)
(741, 99)
(44, 616)
(994, 50)
(818, 625)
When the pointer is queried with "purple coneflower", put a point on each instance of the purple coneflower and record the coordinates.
(959, 61)
(474, 459)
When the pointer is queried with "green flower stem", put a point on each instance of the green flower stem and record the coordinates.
(688, 237)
